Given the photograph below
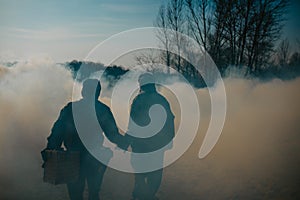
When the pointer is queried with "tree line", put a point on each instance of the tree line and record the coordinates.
(240, 33)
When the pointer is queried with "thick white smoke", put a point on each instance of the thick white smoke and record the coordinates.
(31, 95)
(257, 156)
(258, 153)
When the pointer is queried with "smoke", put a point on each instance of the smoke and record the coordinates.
(258, 153)
(256, 157)
(31, 95)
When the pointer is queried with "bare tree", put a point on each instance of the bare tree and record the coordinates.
(218, 37)
(163, 35)
(246, 31)
(200, 20)
(176, 22)
(149, 58)
(234, 32)
(266, 26)
(283, 52)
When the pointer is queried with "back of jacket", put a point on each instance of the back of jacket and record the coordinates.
(140, 115)
(65, 132)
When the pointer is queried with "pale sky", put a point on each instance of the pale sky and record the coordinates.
(67, 30)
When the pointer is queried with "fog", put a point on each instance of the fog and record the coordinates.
(258, 153)
(31, 95)
(256, 157)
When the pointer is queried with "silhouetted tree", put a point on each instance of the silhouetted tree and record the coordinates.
(176, 21)
(294, 63)
(150, 58)
(283, 52)
(266, 26)
(200, 20)
(163, 36)
(234, 32)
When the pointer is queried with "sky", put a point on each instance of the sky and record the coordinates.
(67, 30)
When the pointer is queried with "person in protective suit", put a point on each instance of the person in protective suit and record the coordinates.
(147, 184)
(65, 132)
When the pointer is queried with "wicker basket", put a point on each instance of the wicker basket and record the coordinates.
(61, 167)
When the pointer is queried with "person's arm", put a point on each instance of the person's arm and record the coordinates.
(55, 139)
(110, 129)
(170, 125)
(134, 112)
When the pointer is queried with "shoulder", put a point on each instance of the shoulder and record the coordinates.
(163, 101)
(102, 107)
(153, 97)
(67, 107)
(138, 98)
(161, 98)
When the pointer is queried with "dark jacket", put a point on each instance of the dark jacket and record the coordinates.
(65, 132)
(140, 115)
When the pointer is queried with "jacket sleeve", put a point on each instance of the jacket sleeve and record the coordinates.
(133, 116)
(170, 126)
(56, 138)
(110, 129)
